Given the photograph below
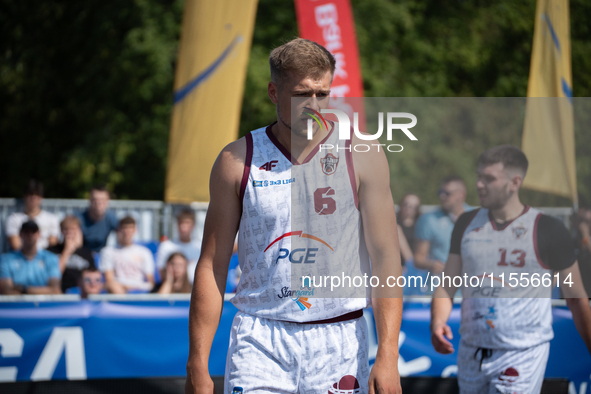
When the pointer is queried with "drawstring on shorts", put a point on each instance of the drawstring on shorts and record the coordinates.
(484, 353)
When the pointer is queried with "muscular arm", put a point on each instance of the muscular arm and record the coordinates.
(7, 287)
(422, 259)
(381, 235)
(441, 307)
(578, 302)
(112, 285)
(15, 242)
(207, 297)
(53, 287)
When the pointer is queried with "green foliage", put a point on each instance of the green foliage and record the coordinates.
(86, 87)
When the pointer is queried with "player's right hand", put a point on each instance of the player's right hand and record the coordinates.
(439, 333)
(199, 384)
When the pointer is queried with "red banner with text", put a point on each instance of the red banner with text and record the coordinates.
(330, 23)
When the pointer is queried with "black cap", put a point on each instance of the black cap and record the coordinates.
(30, 226)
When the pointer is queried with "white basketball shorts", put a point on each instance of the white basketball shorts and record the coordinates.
(272, 356)
(502, 371)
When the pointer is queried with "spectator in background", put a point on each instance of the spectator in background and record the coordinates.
(408, 213)
(127, 267)
(433, 230)
(97, 222)
(48, 223)
(185, 224)
(175, 279)
(73, 257)
(30, 270)
(91, 282)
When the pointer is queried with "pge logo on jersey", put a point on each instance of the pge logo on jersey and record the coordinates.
(345, 129)
(299, 255)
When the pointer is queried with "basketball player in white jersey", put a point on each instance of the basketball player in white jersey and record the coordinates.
(282, 340)
(506, 328)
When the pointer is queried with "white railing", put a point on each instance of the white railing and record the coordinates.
(156, 218)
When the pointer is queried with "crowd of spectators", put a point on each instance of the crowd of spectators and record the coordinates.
(39, 263)
(83, 263)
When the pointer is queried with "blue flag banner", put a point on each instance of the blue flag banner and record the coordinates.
(122, 339)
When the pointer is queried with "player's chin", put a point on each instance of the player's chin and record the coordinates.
(483, 201)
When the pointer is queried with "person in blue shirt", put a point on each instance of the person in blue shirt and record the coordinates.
(97, 222)
(30, 271)
(433, 230)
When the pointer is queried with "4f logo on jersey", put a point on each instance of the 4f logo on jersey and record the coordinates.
(268, 166)
(329, 163)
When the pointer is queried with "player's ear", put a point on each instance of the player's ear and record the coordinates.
(273, 92)
(516, 181)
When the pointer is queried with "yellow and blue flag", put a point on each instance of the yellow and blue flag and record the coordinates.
(548, 133)
(209, 84)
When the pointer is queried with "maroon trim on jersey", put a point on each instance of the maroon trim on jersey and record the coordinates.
(247, 164)
(494, 224)
(347, 316)
(535, 235)
(287, 153)
(281, 148)
(351, 170)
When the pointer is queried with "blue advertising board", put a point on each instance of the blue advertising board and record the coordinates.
(117, 339)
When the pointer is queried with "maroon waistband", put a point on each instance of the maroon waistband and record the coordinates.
(347, 316)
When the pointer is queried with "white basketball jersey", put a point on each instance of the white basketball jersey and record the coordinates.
(510, 316)
(298, 218)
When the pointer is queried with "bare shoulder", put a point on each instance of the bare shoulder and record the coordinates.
(229, 165)
(369, 160)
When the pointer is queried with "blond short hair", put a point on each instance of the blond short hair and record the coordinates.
(300, 57)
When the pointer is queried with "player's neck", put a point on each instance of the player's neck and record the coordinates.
(32, 212)
(298, 147)
(509, 211)
(30, 252)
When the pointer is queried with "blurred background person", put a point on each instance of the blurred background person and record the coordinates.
(91, 282)
(185, 244)
(48, 223)
(582, 225)
(29, 270)
(408, 213)
(433, 230)
(127, 267)
(73, 257)
(175, 279)
(97, 221)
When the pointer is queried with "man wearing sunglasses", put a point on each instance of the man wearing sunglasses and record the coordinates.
(433, 230)
(91, 282)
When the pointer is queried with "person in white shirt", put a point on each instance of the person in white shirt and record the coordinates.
(186, 223)
(127, 267)
(48, 223)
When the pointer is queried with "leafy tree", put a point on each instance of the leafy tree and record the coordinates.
(86, 89)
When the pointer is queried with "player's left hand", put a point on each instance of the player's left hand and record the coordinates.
(384, 377)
